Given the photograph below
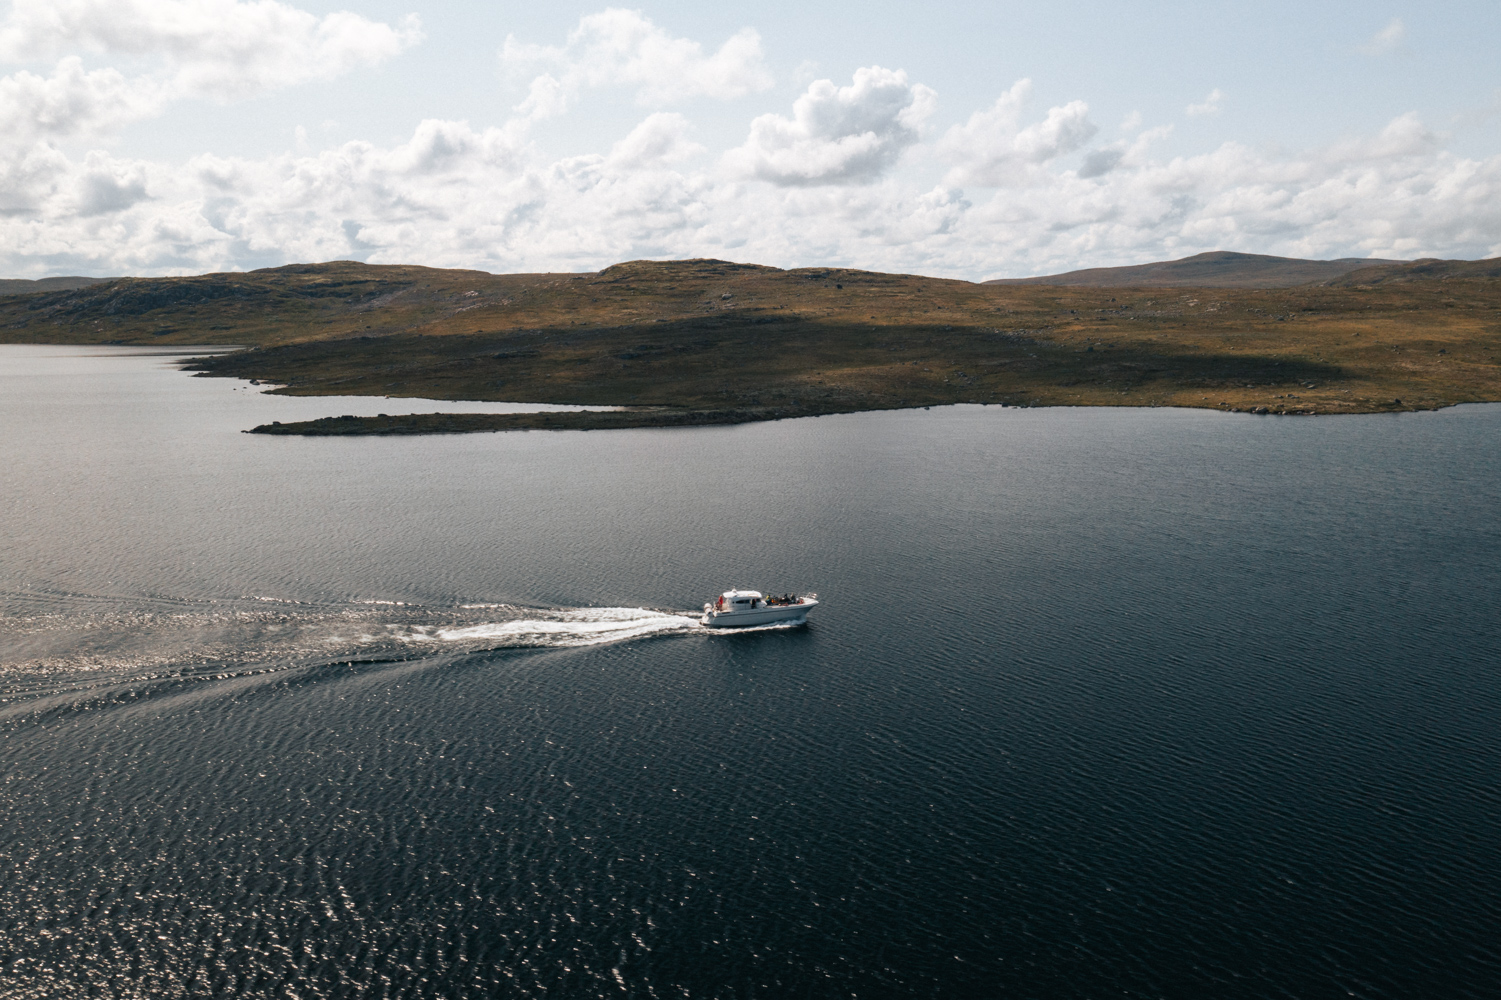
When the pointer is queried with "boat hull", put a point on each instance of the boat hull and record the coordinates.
(757, 616)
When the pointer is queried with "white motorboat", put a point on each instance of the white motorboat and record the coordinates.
(735, 608)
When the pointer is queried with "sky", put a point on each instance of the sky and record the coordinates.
(966, 140)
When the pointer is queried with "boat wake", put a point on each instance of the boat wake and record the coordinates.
(88, 647)
(575, 627)
(68, 645)
(578, 627)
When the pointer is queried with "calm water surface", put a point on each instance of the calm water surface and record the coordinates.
(1100, 703)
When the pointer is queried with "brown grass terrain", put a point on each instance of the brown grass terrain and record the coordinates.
(1217, 269)
(717, 339)
(25, 286)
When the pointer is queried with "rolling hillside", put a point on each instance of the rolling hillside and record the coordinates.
(1217, 269)
(706, 341)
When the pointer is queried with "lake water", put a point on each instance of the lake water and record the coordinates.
(1099, 702)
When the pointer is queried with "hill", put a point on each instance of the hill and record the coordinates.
(1216, 269)
(705, 341)
(26, 286)
(1428, 269)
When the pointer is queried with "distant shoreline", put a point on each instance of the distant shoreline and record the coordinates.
(586, 420)
(472, 423)
(706, 342)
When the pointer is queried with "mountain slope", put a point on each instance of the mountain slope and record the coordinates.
(1216, 269)
(1428, 269)
(25, 286)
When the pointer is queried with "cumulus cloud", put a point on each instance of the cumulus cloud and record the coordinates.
(661, 139)
(1099, 162)
(29, 177)
(213, 48)
(453, 194)
(72, 100)
(1209, 106)
(1388, 39)
(1123, 154)
(622, 48)
(219, 49)
(1404, 137)
(993, 148)
(105, 185)
(1005, 191)
(837, 134)
(1395, 194)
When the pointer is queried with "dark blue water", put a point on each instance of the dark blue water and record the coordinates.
(1099, 703)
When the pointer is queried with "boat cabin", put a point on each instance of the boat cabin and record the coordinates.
(740, 600)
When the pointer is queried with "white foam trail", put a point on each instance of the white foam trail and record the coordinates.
(579, 627)
(46, 651)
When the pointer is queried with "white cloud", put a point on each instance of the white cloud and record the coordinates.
(211, 48)
(456, 195)
(660, 139)
(993, 149)
(29, 178)
(1388, 39)
(1209, 106)
(1006, 191)
(73, 100)
(1100, 162)
(836, 135)
(622, 48)
(1403, 137)
(219, 49)
(105, 185)
(1396, 194)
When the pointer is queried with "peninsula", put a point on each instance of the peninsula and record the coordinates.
(709, 341)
